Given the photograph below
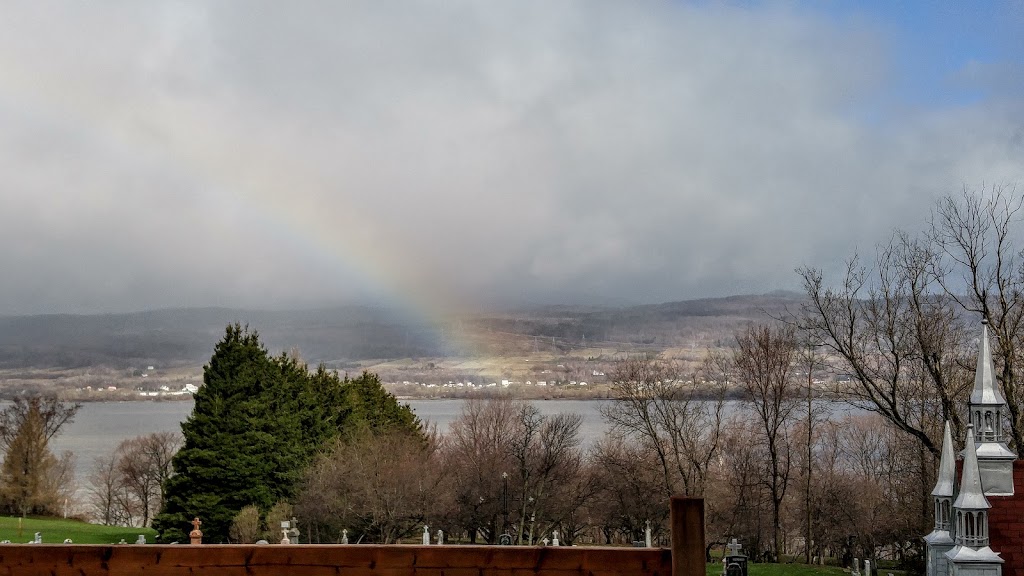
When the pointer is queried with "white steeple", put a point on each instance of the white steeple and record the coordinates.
(972, 555)
(940, 541)
(985, 389)
(972, 495)
(947, 467)
(986, 412)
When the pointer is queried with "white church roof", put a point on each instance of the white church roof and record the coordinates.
(986, 390)
(947, 466)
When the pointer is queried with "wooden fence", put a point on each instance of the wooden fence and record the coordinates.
(685, 558)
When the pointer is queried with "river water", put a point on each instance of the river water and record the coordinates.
(100, 426)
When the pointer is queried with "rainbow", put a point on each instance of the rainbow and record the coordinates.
(250, 185)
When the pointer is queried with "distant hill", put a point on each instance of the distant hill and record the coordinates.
(689, 323)
(187, 336)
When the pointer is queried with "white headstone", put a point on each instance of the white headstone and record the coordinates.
(734, 547)
(867, 568)
(440, 537)
(647, 534)
(856, 567)
(545, 540)
(554, 537)
(426, 535)
(141, 539)
(39, 538)
(344, 536)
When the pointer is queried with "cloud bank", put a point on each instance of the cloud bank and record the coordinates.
(281, 154)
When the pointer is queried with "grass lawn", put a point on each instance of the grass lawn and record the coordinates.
(55, 530)
(715, 569)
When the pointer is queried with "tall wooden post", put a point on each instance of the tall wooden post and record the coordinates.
(686, 516)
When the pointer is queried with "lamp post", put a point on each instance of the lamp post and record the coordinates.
(504, 501)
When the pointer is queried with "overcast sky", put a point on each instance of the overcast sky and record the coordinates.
(282, 154)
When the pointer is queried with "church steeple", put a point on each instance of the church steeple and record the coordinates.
(986, 413)
(972, 495)
(944, 483)
(972, 555)
(985, 389)
(940, 541)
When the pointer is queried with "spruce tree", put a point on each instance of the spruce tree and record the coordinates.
(257, 423)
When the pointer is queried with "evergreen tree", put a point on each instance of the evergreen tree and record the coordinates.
(257, 422)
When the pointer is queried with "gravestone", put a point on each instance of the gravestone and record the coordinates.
(647, 534)
(196, 535)
(440, 537)
(855, 570)
(285, 528)
(735, 562)
(867, 567)
(554, 537)
(39, 538)
(426, 535)
(141, 539)
(505, 539)
(344, 536)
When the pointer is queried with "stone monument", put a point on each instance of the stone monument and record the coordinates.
(196, 535)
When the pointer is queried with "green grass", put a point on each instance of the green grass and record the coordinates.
(715, 569)
(55, 530)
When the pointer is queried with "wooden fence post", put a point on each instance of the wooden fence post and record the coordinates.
(686, 516)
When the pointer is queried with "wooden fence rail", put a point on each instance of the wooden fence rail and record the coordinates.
(364, 559)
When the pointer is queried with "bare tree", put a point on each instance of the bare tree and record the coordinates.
(737, 501)
(478, 449)
(812, 362)
(380, 487)
(126, 486)
(900, 341)
(627, 473)
(52, 411)
(678, 419)
(983, 272)
(104, 482)
(143, 464)
(546, 454)
(763, 359)
(899, 328)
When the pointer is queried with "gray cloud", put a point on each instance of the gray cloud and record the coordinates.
(277, 155)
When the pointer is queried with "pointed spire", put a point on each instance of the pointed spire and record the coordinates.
(971, 496)
(947, 466)
(985, 389)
